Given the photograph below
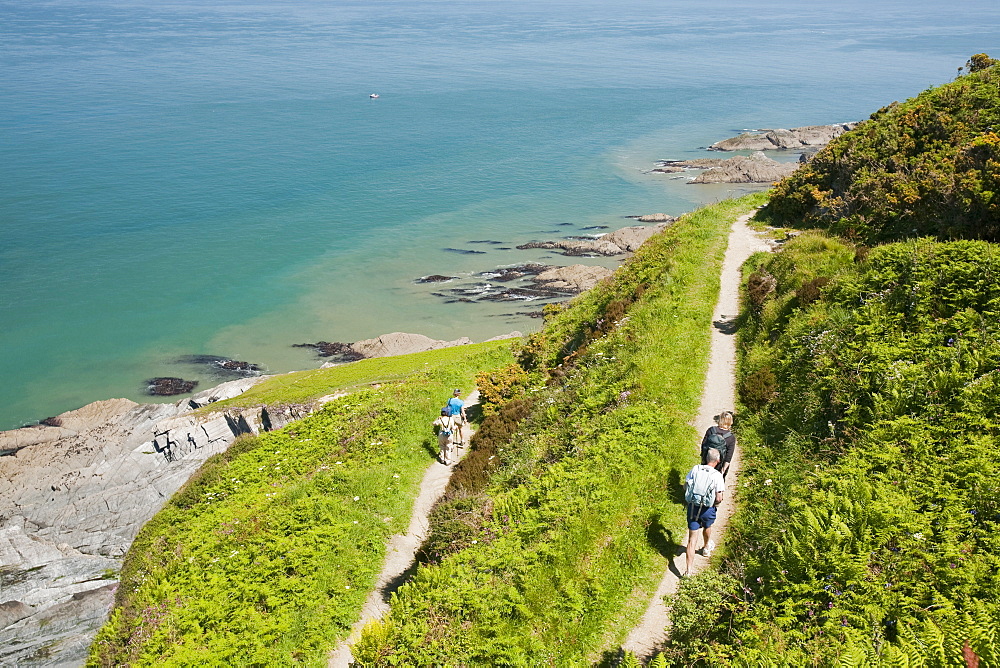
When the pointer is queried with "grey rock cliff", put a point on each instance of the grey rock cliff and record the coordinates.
(76, 495)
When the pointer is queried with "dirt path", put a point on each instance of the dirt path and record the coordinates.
(719, 394)
(402, 549)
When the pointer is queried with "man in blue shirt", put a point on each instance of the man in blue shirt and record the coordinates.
(457, 408)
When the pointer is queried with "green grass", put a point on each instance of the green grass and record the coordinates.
(584, 504)
(304, 386)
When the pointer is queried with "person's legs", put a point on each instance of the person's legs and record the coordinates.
(706, 550)
(692, 539)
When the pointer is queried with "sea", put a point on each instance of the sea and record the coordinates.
(184, 181)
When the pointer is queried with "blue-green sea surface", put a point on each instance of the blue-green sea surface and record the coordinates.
(181, 179)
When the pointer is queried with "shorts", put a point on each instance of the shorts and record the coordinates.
(700, 521)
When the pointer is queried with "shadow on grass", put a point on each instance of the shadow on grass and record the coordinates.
(675, 487)
(431, 446)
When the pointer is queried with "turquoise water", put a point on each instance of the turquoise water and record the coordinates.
(186, 180)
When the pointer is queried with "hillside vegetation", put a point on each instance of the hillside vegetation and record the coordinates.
(554, 531)
(929, 166)
(265, 557)
(867, 531)
(868, 528)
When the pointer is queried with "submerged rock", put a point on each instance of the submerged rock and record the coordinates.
(342, 351)
(436, 278)
(507, 274)
(222, 366)
(168, 386)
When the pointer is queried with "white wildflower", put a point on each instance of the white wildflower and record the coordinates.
(357, 498)
(768, 481)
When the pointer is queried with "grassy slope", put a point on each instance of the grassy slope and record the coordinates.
(305, 386)
(266, 555)
(582, 502)
(867, 532)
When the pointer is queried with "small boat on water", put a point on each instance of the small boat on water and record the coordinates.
(373, 96)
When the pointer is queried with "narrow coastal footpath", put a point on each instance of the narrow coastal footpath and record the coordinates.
(719, 394)
(402, 548)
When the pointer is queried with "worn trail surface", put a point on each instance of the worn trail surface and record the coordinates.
(402, 549)
(719, 395)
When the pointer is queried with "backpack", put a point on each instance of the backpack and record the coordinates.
(716, 440)
(446, 431)
(702, 489)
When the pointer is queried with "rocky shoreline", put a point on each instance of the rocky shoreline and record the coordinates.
(757, 167)
(83, 483)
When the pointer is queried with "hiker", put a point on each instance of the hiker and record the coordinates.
(722, 438)
(446, 427)
(457, 408)
(703, 491)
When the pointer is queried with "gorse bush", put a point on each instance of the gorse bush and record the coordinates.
(927, 166)
(266, 555)
(868, 526)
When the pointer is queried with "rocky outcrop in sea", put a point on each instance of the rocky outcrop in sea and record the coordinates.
(811, 136)
(754, 168)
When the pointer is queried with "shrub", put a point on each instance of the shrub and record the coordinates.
(760, 286)
(924, 167)
(498, 386)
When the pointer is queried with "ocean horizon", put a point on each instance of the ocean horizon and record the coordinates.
(184, 182)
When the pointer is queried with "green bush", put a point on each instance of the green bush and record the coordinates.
(929, 166)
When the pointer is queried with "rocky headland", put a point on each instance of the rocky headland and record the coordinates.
(621, 241)
(754, 168)
(536, 281)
